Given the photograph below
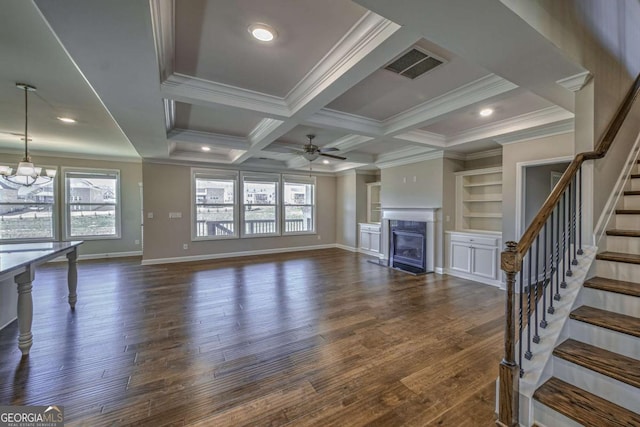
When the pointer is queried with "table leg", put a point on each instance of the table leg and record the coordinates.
(25, 310)
(72, 277)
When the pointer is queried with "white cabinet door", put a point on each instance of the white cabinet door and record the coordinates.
(483, 261)
(365, 240)
(460, 257)
(374, 242)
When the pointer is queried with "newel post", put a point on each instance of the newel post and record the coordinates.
(511, 262)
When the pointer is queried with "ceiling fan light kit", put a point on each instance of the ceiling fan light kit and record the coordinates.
(26, 173)
(311, 151)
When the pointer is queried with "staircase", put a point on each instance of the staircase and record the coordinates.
(596, 372)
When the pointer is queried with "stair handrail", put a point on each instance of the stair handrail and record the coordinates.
(512, 256)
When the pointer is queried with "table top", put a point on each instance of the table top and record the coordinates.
(14, 256)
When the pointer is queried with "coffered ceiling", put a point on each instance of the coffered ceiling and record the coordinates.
(166, 78)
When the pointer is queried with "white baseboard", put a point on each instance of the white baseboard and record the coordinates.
(440, 270)
(345, 247)
(8, 323)
(370, 253)
(101, 256)
(475, 278)
(207, 257)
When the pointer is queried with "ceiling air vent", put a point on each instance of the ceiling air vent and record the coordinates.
(412, 64)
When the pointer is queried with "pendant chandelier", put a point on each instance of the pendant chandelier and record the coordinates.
(27, 174)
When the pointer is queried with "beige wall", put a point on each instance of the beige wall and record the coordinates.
(130, 177)
(417, 185)
(167, 188)
(537, 149)
(346, 210)
(485, 162)
(537, 183)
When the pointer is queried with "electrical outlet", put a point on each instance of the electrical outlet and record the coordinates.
(150, 215)
(319, 237)
(137, 242)
(185, 246)
(174, 215)
(448, 218)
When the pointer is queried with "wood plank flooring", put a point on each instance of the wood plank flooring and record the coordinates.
(318, 338)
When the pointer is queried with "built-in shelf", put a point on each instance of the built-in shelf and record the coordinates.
(374, 211)
(479, 200)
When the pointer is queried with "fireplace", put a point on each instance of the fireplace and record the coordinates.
(412, 225)
(408, 246)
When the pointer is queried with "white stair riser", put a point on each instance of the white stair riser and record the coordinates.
(627, 245)
(610, 301)
(634, 184)
(618, 270)
(602, 386)
(604, 338)
(628, 222)
(547, 417)
(631, 202)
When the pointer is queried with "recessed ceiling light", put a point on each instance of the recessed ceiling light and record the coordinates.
(206, 148)
(262, 32)
(486, 112)
(67, 119)
(325, 161)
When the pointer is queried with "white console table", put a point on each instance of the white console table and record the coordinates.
(18, 261)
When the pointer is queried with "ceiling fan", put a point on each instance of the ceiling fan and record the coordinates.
(311, 151)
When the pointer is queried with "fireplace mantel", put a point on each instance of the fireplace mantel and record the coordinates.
(427, 215)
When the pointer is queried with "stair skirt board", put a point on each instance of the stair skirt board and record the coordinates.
(609, 301)
(614, 341)
(601, 385)
(629, 245)
(547, 417)
(618, 270)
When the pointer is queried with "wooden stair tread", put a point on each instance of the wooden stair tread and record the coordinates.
(632, 193)
(605, 362)
(613, 285)
(606, 319)
(582, 406)
(635, 175)
(627, 211)
(619, 257)
(623, 233)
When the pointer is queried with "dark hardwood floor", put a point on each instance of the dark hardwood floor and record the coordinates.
(313, 338)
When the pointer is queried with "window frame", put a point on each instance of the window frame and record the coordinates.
(303, 180)
(67, 204)
(54, 211)
(219, 175)
(275, 178)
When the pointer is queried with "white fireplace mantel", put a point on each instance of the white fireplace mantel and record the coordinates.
(427, 215)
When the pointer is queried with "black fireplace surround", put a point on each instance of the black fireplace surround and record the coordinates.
(408, 246)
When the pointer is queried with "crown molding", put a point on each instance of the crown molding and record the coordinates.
(349, 142)
(263, 129)
(407, 156)
(566, 126)
(367, 34)
(19, 153)
(454, 155)
(576, 82)
(423, 137)
(484, 154)
(199, 137)
(194, 90)
(162, 23)
(169, 113)
(543, 117)
(471, 93)
(333, 119)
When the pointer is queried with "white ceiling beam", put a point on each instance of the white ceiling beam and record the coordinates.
(207, 138)
(423, 137)
(331, 119)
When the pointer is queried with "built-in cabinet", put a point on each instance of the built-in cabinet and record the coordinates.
(374, 208)
(369, 238)
(474, 247)
(479, 200)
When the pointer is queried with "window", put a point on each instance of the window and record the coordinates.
(299, 204)
(92, 204)
(215, 199)
(27, 213)
(260, 204)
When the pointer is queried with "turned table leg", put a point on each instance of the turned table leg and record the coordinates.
(25, 310)
(72, 277)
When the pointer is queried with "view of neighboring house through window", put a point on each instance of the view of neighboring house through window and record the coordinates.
(260, 203)
(299, 204)
(27, 212)
(215, 201)
(92, 203)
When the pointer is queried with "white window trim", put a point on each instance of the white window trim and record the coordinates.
(299, 179)
(215, 174)
(54, 212)
(268, 177)
(65, 203)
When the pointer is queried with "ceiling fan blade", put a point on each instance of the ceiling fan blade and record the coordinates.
(333, 157)
(328, 149)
